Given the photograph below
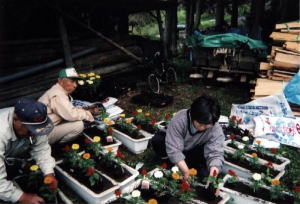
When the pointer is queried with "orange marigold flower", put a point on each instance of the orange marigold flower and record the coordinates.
(109, 149)
(175, 175)
(86, 156)
(258, 142)
(233, 117)
(275, 182)
(109, 123)
(193, 172)
(48, 180)
(152, 201)
(254, 154)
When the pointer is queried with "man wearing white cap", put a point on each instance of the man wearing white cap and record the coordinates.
(67, 118)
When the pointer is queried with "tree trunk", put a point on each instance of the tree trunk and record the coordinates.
(234, 13)
(219, 15)
(187, 16)
(174, 32)
(65, 42)
(167, 32)
(258, 12)
(160, 26)
(198, 13)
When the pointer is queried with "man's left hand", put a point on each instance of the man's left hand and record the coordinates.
(53, 184)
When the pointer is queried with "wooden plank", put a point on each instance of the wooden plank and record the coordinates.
(287, 60)
(293, 46)
(293, 24)
(264, 66)
(280, 78)
(287, 52)
(284, 72)
(285, 36)
(290, 31)
(266, 87)
(282, 75)
(286, 69)
(273, 50)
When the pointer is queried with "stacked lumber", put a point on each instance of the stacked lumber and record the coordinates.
(283, 62)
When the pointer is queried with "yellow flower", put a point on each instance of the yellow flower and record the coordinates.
(96, 139)
(122, 115)
(75, 146)
(86, 156)
(174, 113)
(275, 182)
(48, 180)
(175, 175)
(109, 149)
(91, 74)
(98, 76)
(82, 75)
(92, 78)
(128, 120)
(80, 82)
(254, 155)
(106, 120)
(89, 82)
(147, 114)
(139, 110)
(193, 172)
(152, 201)
(34, 167)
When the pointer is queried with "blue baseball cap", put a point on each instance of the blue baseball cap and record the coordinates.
(33, 115)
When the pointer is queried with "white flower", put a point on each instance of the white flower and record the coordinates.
(136, 193)
(81, 82)
(175, 169)
(241, 146)
(256, 176)
(89, 81)
(245, 139)
(158, 174)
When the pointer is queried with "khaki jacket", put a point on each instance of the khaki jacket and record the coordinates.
(60, 108)
(11, 147)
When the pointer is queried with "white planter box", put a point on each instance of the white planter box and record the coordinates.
(85, 193)
(243, 172)
(279, 167)
(144, 132)
(160, 126)
(136, 146)
(240, 198)
(114, 146)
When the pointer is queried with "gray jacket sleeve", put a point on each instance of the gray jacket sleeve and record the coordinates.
(8, 191)
(41, 152)
(175, 140)
(214, 150)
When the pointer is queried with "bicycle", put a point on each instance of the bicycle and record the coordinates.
(162, 72)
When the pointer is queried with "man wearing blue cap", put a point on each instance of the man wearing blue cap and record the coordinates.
(67, 118)
(23, 128)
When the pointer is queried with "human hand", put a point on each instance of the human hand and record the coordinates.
(31, 199)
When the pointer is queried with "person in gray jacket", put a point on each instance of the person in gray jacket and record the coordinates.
(23, 128)
(194, 138)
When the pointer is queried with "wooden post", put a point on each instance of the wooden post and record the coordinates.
(167, 33)
(198, 13)
(219, 15)
(234, 13)
(65, 42)
(258, 12)
(160, 27)
(174, 33)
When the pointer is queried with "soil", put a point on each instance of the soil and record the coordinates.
(101, 186)
(247, 165)
(57, 150)
(261, 193)
(94, 131)
(148, 128)
(207, 195)
(135, 134)
(260, 155)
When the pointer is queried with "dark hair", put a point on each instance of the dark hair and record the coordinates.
(205, 109)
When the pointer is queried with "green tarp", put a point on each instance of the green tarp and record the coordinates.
(228, 40)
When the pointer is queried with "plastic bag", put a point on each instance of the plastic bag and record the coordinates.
(292, 90)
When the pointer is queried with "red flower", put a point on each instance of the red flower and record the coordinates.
(240, 121)
(119, 154)
(67, 148)
(87, 141)
(214, 173)
(139, 127)
(232, 173)
(270, 164)
(143, 171)
(118, 192)
(153, 121)
(134, 113)
(109, 131)
(167, 116)
(90, 171)
(164, 165)
(184, 186)
(274, 150)
(232, 136)
(296, 189)
(233, 117)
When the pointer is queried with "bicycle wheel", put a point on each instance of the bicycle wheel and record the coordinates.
(171, 75)
(153, 82)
